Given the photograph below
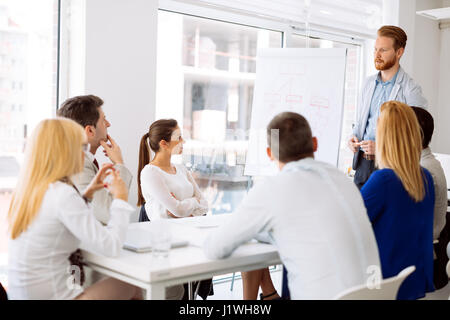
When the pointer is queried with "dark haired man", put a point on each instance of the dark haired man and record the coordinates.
(87, 111)
(429, 162)
(390, 83)
(310, 211)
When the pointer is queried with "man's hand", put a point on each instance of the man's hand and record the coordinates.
(117, 187)
(112, 150)
(353, 144)
(368, 147)
(98, 182)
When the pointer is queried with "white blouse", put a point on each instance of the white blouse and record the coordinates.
(157, 186)
(38, 265)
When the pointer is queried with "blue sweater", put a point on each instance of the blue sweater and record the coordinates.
(403, 229)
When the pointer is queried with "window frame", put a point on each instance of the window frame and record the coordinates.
(58, 56)
(68, 75)
(287, 28)
(19, 86)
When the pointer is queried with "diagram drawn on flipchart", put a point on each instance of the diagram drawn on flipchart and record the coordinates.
(287, 94)
(303, 81)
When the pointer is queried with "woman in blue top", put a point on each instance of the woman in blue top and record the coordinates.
(400, 201)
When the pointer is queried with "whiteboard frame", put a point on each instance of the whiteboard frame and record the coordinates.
(343, 109)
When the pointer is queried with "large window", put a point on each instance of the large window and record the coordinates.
(28, 81)
(205, 79)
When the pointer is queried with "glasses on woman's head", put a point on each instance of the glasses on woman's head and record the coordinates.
(86, 147)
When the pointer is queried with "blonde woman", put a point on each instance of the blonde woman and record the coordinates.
(400, 200)
(49, 218)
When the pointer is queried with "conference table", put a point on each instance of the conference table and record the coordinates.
(183, 264)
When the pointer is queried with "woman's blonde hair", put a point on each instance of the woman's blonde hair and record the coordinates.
(53, 151)
(399, 145)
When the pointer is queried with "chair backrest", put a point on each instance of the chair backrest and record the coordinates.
(143, 217)
(387, 289)
(3, 295)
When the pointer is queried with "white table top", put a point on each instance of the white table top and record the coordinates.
(184, 261)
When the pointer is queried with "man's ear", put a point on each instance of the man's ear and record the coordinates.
(400, 52)
(315, 144)
(90, 131)
(269, 153)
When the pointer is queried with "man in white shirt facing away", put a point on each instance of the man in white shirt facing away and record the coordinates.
(429, 162)
(87, 111)
(311, 212)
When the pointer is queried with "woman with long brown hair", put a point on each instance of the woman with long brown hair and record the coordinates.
(399, 198)
(168, 190)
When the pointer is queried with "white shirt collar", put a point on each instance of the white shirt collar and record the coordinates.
(426, 152)
(90, 156)
(294, 164)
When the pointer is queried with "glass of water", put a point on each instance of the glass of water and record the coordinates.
(161, 237)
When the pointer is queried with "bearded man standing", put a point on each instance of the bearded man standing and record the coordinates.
(390, 83)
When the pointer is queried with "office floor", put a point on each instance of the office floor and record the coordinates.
(222, 288)
(441, 294)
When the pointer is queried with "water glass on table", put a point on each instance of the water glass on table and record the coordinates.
(161, 237)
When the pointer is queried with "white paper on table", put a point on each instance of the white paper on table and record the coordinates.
(202, 221)
(196, 229)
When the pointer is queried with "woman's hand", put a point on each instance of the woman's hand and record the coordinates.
(170, 214)
(117, 187)
(97, 183)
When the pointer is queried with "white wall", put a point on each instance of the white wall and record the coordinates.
(441, 141)
(426, 53)
(391, 12)
(406, 20)
(424, 60)
(121, 69)
(421, 58)
(442, 119)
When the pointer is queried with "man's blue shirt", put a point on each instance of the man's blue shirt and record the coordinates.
(380, 95)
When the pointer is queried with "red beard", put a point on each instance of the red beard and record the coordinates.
(385, 65)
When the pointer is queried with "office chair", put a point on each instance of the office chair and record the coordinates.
(387, 290)
(143, 214)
